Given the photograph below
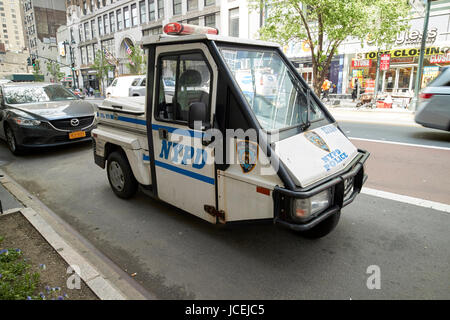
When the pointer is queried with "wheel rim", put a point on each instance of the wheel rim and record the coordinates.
(10, 139)
(116, 176)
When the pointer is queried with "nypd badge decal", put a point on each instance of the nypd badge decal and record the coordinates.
(316, 140)
(247, 153)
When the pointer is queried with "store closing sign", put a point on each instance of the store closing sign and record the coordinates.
(385, 61)
(401, 53)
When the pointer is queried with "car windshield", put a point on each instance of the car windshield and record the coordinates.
(273, 92)
(31, 94)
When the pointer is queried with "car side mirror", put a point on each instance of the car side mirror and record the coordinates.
(198, 112)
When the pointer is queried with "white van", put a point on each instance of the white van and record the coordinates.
(121, 85)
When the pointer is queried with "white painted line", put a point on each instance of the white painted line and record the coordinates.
(406, 199)
(402, 143)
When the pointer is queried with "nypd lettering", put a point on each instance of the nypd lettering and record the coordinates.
(183, 154)
(332, 159)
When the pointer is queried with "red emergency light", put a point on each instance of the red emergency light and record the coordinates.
(175, 28)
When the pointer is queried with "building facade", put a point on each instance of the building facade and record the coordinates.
(116, 25)
(354, 61)
(11, 18)
(42, 19)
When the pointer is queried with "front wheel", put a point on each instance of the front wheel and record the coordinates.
(121, 176)
(12, 142)
(323, 228)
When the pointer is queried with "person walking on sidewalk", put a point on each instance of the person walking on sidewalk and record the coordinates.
(326, 85)
(355, 90)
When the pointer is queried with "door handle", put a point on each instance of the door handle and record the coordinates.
(163, 134)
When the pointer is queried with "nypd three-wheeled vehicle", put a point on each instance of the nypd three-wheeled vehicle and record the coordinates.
(229, 132)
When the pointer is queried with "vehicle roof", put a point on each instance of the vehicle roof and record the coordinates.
(131, 76)
(165, 39)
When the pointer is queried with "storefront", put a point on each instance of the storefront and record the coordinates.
(400, 75)
(89, 79)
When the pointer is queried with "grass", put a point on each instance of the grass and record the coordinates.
(16, 280)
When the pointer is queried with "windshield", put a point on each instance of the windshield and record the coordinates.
(275, 95)
(31, 94)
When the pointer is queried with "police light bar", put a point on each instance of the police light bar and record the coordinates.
(175, 28)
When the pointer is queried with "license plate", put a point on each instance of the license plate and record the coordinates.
(77, 134)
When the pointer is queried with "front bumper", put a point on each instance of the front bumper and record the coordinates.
(45, 135)
(341, 196)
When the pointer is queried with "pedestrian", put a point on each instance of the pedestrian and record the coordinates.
(355, 90)
(326, 85)
(91, 91)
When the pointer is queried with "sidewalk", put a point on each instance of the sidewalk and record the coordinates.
(99, 273)
(347, 111)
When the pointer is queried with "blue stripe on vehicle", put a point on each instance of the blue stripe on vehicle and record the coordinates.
(184, 132)
(146, 157)
(188, 173)
(132, 120)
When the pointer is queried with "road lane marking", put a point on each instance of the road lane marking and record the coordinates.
(407, 199)
(402, 143)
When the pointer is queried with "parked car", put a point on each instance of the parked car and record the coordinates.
(78, 93)
(138, 87)
(433, 108)
(43, 114)
(121, 85)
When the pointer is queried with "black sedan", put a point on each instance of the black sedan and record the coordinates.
(43, 115)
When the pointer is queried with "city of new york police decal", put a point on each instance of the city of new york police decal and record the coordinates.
(247, 153)
(316, 140)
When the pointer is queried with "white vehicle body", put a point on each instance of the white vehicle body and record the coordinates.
(120, 86)
(312, 165)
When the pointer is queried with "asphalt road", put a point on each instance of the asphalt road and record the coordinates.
(176, 255)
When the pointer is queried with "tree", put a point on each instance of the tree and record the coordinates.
(138, 61)
(54, 69)
(102, 67)
(325, 24)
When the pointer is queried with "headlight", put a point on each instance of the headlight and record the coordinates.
(306, 208)
(26, 122)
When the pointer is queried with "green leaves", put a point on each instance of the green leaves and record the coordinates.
(138, 61)
(16, 282)
(327, 23)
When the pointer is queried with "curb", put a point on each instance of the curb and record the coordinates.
(99, 273)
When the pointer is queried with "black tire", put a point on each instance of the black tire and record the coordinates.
(120, 175)
(323, 228)
(12, 142)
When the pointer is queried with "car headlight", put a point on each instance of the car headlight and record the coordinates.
(307, 208)
(26, 122)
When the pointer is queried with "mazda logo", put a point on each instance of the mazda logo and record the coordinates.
(74, 122)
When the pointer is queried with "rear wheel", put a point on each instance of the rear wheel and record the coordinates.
(121, 176)
(12, 142)
(323, 228)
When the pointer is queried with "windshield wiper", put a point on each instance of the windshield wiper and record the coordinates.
(305, 124)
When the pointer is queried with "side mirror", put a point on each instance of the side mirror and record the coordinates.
(198, 112)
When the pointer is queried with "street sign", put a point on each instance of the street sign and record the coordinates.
(385, 62)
